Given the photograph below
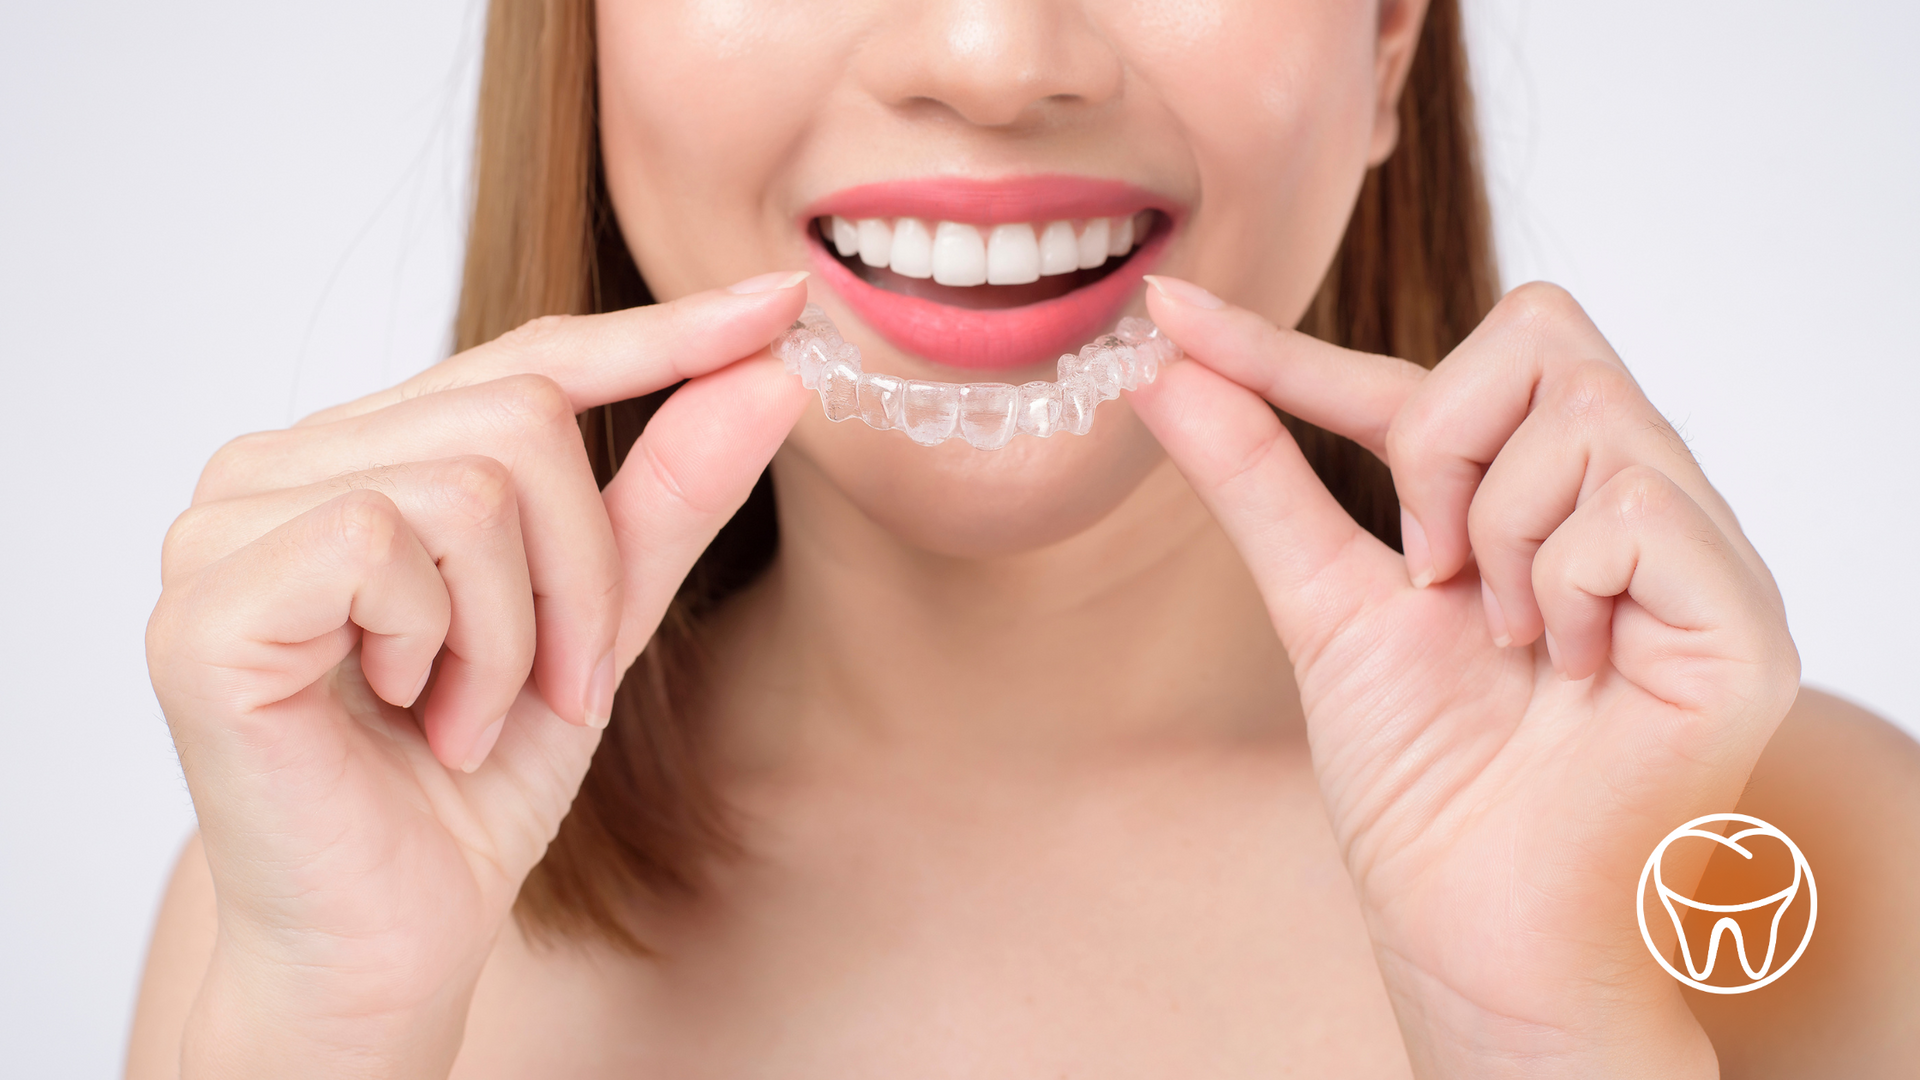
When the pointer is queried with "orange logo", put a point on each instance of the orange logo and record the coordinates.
(1734, 925)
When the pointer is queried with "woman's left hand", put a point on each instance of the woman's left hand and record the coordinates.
(1578, 653)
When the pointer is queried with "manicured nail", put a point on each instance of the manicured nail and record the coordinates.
(1184, 292)
(600, 693)
(1496, 619)
(1413, 542)
(483, 745)
(1553, 655)
(759, 283)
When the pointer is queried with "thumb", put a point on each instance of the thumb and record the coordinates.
(693, 466)
(1314, 564)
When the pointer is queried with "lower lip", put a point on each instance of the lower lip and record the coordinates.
(990, 339)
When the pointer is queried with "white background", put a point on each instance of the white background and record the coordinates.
(216, 216)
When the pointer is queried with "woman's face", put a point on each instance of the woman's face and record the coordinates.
(1234, 134)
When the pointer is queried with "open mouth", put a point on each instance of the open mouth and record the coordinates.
(988, 275)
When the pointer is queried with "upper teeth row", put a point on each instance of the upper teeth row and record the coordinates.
(953, 253)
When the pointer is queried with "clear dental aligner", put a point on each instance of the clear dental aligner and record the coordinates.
(986, 415)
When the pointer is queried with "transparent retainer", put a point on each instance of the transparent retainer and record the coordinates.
(986, 415)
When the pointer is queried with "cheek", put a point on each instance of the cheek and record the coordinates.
(954, 500)
(1274, 101)
(695, 207)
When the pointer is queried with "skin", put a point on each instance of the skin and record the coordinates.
(1119, 755)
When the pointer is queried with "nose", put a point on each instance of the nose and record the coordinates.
(991, 63)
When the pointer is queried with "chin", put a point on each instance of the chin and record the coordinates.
(957, 502)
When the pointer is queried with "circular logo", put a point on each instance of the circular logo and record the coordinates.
(1726, 929)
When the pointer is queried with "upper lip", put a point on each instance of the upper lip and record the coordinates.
(1039, 197)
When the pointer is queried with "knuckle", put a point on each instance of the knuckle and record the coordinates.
(367, 527)
(1406, 436)
(1423, 434)
(1496, 529)
(330, 413)
(1641, 494)
(477, 489)
(183, 540)
(1538, 302)
(227, 469)
(1424, 431)
(1592, 392)
(536, 337)
(534, 402)
(163, 628)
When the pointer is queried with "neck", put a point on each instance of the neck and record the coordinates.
(1143, 629)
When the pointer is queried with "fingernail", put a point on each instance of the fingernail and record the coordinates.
(483, 745)
(1496, 619)
(759, 283)
(422, 688)
(600, 693)
(1553, 654)
(1184, 292)
(1413, 542)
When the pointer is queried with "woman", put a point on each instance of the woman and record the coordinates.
(1144, 752)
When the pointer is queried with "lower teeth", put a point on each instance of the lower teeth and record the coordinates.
(986, 415)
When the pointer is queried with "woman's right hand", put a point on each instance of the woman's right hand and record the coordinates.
(367, 827)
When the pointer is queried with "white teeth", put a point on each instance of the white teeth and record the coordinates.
(876, 241)
(912, 252)
(1059, 250)
(846, 238)
(1093, 244)
(953, 253)
(959, 255)
(1013, 255)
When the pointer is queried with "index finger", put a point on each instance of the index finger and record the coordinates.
(599, 359)
(1350, 393)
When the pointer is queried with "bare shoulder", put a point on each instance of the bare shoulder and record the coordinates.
(176, 963)
(1845, 785)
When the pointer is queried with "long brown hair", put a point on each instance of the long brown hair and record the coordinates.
(1414, 274)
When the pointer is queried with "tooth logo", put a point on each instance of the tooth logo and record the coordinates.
(1727, 929)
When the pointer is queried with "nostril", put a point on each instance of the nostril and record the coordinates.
(991, 64)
